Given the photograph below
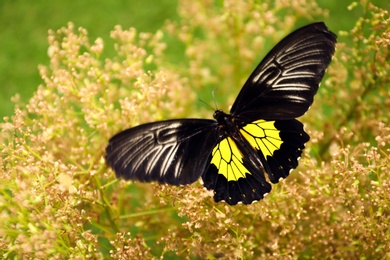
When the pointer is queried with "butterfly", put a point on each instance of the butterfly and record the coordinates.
(238, 154)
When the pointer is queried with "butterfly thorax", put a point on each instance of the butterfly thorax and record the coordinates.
(226, 124)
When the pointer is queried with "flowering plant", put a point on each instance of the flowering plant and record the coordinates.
(59, 200)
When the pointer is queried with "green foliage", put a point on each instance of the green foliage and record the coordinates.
(58, 199)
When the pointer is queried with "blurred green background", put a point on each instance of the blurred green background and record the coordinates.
(23, 34)
(24, 25)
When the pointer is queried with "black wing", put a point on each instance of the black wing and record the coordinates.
(284, 83)
(175, 152)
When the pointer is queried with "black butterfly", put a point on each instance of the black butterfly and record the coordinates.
(233, 152)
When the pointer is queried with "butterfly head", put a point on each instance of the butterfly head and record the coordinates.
(221, 116)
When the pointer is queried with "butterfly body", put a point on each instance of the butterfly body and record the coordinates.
(236, 152)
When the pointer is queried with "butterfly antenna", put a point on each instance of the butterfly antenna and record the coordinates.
(213, 94)
(215, 103)
(206, 104)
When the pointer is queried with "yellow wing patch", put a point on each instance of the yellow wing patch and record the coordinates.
(263, 136)
(228, 160)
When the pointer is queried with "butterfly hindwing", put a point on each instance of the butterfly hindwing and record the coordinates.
(233, 176)
(174, 152)
(279, 144)
(284, 83)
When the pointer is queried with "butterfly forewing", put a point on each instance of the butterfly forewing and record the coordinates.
(173, 152)
(284, 83)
